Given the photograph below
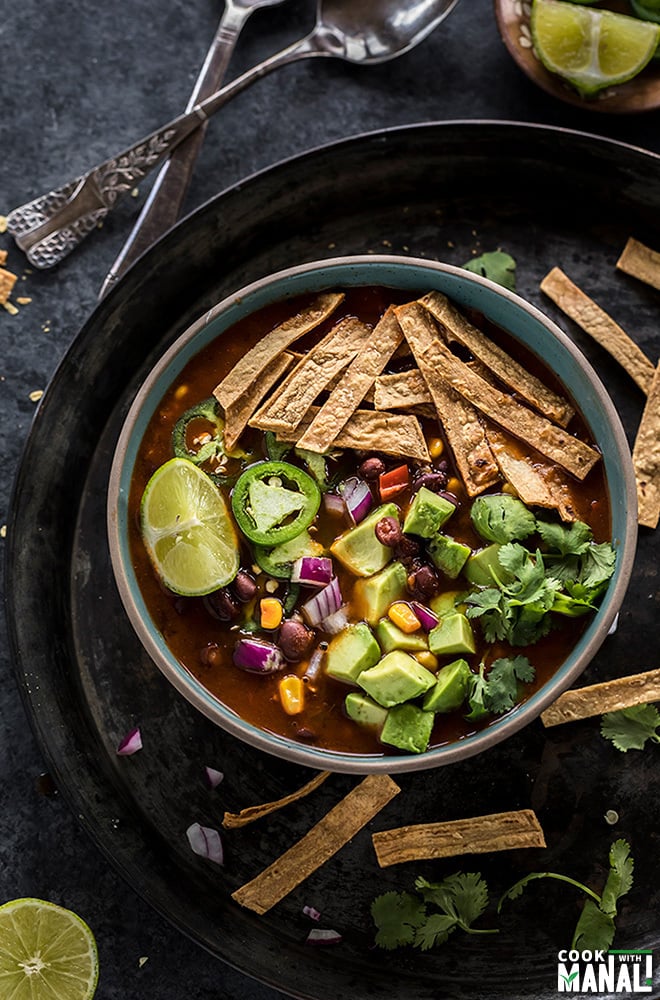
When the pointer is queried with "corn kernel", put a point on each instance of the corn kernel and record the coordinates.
(181, 391)
(292, 694)
(404, 617)
(436, 447)
(454, 485)
(427, 659)
(271, 612)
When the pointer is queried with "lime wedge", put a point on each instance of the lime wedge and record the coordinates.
(591, 49)
(187, 530)
(45, 952)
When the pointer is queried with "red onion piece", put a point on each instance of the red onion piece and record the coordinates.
(321, 936)
(206, 842)
(428, 619)
(213, 777)
(130, 744)
(323, 604)
(334, 504)
(311, 912)
(314, 666)
(336, 622)
(357, 497)
(313, 571)
(257, 656)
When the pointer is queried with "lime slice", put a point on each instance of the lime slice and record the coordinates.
(591, 49)
(187, 530)
(45, 952)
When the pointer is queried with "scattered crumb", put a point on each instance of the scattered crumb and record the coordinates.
(3, 223)
(405, 248)
(143, 960)
(331, 246)
(451, 244)
(387, 243)
(7, 281)
(3, 256)
(11, 308)
(3, 531)
(134, 193)
(23, 300)
(36, 395)
(611, 817)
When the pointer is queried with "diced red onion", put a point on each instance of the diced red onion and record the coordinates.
(213, 777)
(334, 504)
(257, 656)
(321, 936)
(314, 666)
(311, 912)
(131, 743)
(336, 622)
(323, 604)
(428, 619)
(206, 842)
(357, 497)
(313, 571)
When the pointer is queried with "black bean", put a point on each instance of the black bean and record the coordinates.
(388, 531)
(244, 586)
(294, 640)
(211, 655)
(423, 582)
(222, 605)
(372, 468)
(434, 481)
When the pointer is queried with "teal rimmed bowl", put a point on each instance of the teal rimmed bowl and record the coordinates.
(507, 310)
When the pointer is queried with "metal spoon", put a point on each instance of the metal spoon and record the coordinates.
(358, 31)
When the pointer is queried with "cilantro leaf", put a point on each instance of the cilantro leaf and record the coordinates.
(496, 265)
(630, 728)
(500, 517)
(594, 929)
(275, 449)
(502, 681)
(573, 540)
(620, 878)
(436, 930)
(477, 695)
(597, 564)
(397, 916)
(470, 896)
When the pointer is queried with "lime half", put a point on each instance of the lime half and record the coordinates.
(46, 952)
(187, 530)
(591, 49)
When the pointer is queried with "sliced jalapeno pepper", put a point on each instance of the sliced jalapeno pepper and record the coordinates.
(274, 501)
(210, 449)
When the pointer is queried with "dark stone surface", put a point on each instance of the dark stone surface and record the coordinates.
(78, 83)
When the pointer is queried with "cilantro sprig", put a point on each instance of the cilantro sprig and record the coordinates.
(596, 926)
(630, 728)
(427, 918)
(496, 265)
(497, 691)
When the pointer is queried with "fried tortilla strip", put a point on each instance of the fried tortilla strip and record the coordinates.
(374, 430)
(354, 385)
(504, 831)
(258, 358)
(287, 407)
(497, 361)
(640, 262)
(232, 820)
(402, 389)
(597, 699)
(596, 322)
(457, 416)
(323, 841)
(646, 458)
(7, 281)
(239, 412)
(536, 484)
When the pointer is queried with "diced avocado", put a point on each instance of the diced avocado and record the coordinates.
(427, 513)
(451, 685)
(397, 678)
(359, 550)
(481, 565)
(390, 637)
(364, 710)
(350, 652)
(453, 634)
(448, 555)
(408, 728)
(373, 596)
(447, 602)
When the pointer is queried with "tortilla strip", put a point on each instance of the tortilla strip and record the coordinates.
(287, 407)
(7, 281)
(239, 412)
(504, 831)
(248, 815)
(323, 841)
(497, 361)
(354, 385)
(534, 483)
(597, 699)
(646, 458)
(640, 262)
(459, 419)
(596, 322)
(373, 430)
(403, 389)
(246, 371)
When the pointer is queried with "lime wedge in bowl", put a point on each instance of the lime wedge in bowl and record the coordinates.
(591, 49)
(187, 530)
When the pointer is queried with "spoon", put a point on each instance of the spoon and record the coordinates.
(358, 31)
(168, 191)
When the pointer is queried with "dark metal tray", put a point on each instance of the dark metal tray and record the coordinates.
(444, 191)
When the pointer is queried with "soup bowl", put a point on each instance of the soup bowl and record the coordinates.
(406, 278)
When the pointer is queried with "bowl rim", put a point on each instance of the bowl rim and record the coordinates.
(279, 746)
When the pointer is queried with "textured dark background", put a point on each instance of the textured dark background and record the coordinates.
(79, 82)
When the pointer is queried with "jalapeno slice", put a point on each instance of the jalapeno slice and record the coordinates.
(274, 501)
(212, 447)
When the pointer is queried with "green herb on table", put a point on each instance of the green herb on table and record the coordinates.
(596, 927)
(630, 728)
(427, 918)
(497, 692)
(497, 265)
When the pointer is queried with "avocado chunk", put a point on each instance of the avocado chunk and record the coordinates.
(450, 689)
(427, 513)
(390, 637)
(447, 602)
(359, 550)
(373, 596)
(448, 555)
(350, 652)
(364, 710)
(397, 678)
(452, 634)
(408, 728)
(483, 566)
